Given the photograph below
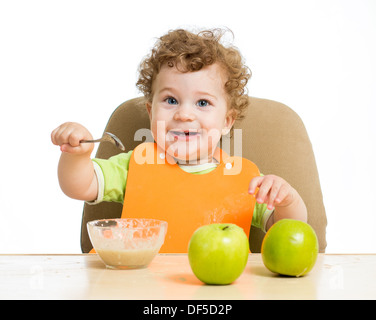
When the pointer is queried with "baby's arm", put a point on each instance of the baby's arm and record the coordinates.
(277, 193)
(75, 171)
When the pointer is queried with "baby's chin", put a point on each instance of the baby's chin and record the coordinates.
(193, 158)
(183, 154)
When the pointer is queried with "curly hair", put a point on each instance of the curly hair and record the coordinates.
(190, 52)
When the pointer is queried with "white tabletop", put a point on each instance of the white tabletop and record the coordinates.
(84, 276)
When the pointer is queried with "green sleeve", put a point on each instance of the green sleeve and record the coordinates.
(114, 179)
(261, 215)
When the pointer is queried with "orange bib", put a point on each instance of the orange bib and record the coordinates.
(158, 188)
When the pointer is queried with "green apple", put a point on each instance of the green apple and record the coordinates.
(290, 247)
(218, 253)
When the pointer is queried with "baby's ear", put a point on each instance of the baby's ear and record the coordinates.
(229, 121)
(148, 108)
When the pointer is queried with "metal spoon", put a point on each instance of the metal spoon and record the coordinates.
(109, 137)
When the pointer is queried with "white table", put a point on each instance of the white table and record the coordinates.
(83, 276)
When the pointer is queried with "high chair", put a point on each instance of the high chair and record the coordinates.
(273, 137)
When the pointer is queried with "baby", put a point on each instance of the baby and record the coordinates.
(194, 89)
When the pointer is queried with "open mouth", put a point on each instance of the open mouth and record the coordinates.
(186, 134)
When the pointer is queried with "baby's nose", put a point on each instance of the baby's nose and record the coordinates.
(184, 113)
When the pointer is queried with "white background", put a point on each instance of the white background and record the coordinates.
(77, 61)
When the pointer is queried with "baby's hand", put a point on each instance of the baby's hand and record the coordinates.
(273, 190)
(68, 137)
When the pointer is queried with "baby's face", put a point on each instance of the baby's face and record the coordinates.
(189, 113)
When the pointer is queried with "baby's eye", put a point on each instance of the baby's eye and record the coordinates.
(171, 100)
(203, 103)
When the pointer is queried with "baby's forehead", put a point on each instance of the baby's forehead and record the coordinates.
(209, 79)
(214, 72)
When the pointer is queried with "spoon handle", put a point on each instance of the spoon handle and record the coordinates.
(90, 141)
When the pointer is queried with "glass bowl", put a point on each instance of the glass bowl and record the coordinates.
(127, 243)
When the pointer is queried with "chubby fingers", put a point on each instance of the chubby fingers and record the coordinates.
(271, 190)
(68, 137)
